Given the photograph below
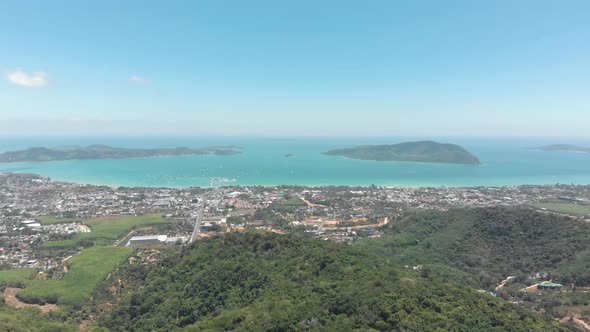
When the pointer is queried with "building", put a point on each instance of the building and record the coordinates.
(34, 226)
(146, 240)
(545, 285)
(549, 285)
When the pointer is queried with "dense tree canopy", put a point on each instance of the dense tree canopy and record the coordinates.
(268, 282)
(490, 244)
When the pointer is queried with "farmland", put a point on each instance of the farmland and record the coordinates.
(106, 230)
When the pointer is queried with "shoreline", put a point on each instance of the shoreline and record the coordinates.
(388, 186)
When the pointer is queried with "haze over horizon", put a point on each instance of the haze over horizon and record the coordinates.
(295, 68)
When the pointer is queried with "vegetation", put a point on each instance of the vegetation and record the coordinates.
(16, 277)
(99, 151)
(489, 244)
(424, 151)
(268, 282)
(289, 204)
(567, 208)
(106, 230)
(31, 319)
(47, 220)
(87, 270)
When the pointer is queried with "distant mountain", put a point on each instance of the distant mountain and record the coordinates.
(563, 147)
(423, 151)
(99, 151)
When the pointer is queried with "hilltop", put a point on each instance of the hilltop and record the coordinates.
(99, 151)
(422, 151)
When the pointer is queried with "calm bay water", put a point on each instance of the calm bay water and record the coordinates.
(263, 162)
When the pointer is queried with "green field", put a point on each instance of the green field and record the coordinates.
(574, 209)
(87, 270)
(16, 276)
(30, 319)
(289, 204)
(47, 220)
(106, 231)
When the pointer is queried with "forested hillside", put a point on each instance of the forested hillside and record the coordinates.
(268, 282)
(489, 244)
(423, 151)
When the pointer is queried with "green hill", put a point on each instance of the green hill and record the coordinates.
(98, 151)
(489, 244)
(268, 282)
(423, 151)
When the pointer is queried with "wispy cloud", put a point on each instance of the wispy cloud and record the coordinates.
(138, 79)
(32, 80)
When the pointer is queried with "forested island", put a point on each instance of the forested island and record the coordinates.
(99, 151)
(422, 151)
(563, 147)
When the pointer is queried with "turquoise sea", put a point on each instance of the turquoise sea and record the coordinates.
(263, 162)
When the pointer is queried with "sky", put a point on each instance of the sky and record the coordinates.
(290, 68)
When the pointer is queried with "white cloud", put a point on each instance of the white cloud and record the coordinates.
(33, 80)
(138, 79)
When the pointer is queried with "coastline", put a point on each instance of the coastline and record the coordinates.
(408, 161)
(506, 163)
(423, 185)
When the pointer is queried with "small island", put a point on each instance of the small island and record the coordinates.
(563, 148)
(99, 151)
(422, 151)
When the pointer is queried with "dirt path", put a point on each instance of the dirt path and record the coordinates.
(581, 323)
(11, 300)
(310, 203)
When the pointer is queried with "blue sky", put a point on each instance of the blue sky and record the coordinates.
(314, 68)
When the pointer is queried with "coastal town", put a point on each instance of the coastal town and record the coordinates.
(35, 211)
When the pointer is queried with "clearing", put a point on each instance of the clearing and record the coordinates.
(87, 270)
(107, 230)
(11, 300)
(567, 208)
(47, 220)
(16, 276)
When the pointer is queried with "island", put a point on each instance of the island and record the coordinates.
(99, 151)
(422, 151)
(563, 148)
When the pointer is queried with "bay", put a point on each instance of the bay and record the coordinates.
(505, 161)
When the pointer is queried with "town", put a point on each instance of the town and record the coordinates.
(35, 210)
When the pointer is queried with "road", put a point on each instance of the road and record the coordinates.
(121, 240)
(198, 223)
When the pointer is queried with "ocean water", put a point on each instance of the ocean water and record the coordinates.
(263, 162)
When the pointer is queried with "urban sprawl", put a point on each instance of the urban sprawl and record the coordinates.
(35, 210)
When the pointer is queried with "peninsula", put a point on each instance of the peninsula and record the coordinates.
(563, 147)
(99, 151)
(422, 151)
